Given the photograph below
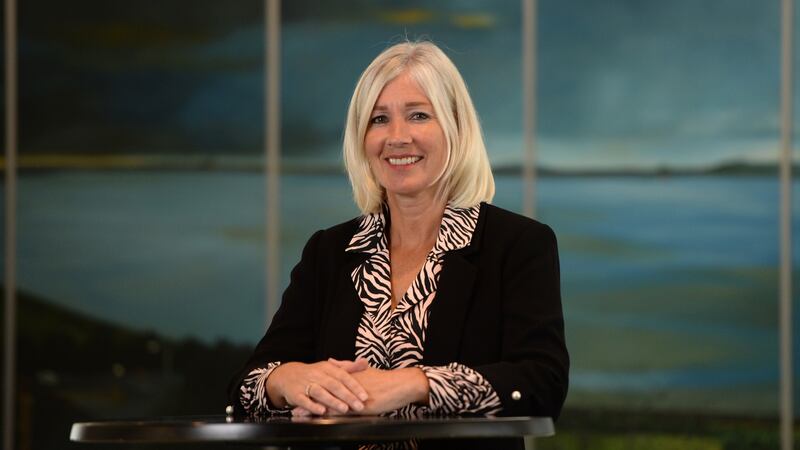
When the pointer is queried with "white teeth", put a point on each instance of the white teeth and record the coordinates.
(404, 161)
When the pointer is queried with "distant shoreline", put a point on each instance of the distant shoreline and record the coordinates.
(743, 169)
(33, 163)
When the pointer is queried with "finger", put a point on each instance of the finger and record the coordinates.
(300, 412)
(343, 385)
(320, 393)
(307, 403)
(338, 390)
(352, 384)
(340, 383)
(350, 366)
(359, 365)
(344, 365)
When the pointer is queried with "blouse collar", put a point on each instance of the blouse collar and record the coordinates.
(455, 231)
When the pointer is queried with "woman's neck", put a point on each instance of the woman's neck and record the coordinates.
(415, 221)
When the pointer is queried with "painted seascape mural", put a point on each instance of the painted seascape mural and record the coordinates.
(141, 204)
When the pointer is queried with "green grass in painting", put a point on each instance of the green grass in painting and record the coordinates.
(628, 441)
(632, 428)
(692, 320)
(746, 295)
(613, 248)
(594, 347)
(760, 400)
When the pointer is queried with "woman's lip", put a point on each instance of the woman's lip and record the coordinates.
(403, 160)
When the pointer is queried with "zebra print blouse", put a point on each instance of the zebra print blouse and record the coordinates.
(393, 339)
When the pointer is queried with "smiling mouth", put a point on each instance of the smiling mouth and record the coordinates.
(403, 161)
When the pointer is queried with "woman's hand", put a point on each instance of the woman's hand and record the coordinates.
(392, 389)
(388, 390)
(319, 388)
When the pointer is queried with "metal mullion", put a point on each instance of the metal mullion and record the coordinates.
(272, 126)
(785, 280)
(529, 107)
(10, 276)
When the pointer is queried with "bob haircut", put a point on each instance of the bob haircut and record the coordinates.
(467, 177)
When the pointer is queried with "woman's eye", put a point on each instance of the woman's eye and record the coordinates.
(378, 119)
(420, 116)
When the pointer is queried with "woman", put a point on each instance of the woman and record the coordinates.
(432, 302)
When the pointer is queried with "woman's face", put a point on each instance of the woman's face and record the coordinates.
(405, 145)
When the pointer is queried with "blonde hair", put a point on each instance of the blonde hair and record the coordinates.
(467, 178)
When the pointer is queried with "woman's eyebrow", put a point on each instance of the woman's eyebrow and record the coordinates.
(407, 105)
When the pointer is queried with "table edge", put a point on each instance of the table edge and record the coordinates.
(189, 431)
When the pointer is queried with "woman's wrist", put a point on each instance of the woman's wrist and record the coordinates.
(272, 385)
(418, 383)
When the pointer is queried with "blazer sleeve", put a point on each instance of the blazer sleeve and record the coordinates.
(292, 333)
(532, 375)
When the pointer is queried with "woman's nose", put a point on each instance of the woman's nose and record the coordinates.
(398, 134)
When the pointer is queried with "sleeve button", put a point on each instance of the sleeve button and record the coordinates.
(516, 395)
(229, 410)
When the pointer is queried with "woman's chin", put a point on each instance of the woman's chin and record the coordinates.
(410, 192)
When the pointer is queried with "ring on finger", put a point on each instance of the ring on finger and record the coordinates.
(308, 389)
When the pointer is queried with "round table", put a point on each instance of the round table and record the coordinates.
(306, 431)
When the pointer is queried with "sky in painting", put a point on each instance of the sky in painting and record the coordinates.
(620, 82)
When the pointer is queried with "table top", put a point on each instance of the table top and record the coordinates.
(291, 430)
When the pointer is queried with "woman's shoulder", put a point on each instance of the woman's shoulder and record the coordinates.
(337, 236)
(505, 233)
(344, 228)
(502, 222)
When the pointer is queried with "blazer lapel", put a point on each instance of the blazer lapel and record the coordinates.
(453, 300)
(448, 310)
(343, 314)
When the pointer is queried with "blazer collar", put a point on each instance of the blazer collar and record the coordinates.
(477, 233)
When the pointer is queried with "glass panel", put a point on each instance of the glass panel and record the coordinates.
(141, 208)
(657, 137)
(327, 46)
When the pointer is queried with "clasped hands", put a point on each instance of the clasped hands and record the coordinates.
(336, 387)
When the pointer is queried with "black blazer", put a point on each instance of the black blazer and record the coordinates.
(497, 310)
